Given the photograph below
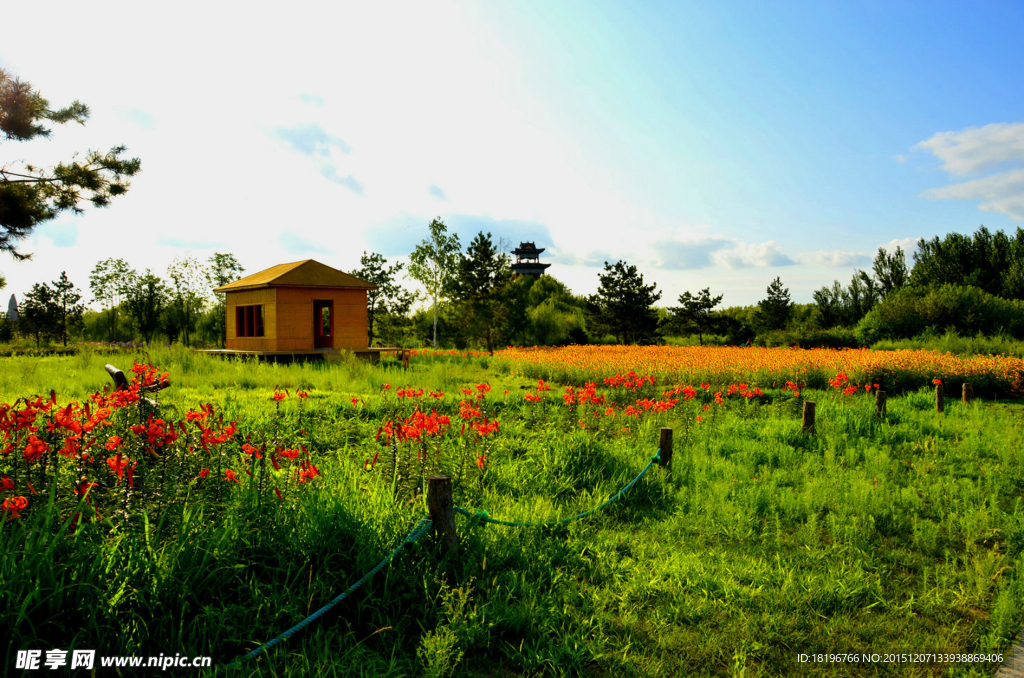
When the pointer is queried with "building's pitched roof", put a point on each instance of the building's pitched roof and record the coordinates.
(308, 273)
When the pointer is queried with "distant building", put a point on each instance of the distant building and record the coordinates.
(12, 309)
(528, 260)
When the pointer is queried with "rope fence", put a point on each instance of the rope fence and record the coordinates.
(481, 515)
(441, 518)
(417, 532)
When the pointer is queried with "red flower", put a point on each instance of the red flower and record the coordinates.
(13, 505)
(35, 449)
(386, 387)
(117, 465)
(301, 394)
(355, 401)
(113, 443)
(205, 472)
(6, 484)
(480, 461)
(229, 475)
(278, 395)
(84, 486)
(936, 382)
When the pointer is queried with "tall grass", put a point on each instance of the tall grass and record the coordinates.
(953, 342)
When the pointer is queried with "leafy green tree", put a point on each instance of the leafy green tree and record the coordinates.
(393, 323)
(515, 302)
(890, 271)
(222, 269)
(434, 264)
(30, 195)
(145, 296)
(695, 311)
(107, 284)
(777, 307)
(389, 297)
(67, 306)
(189, 279)
(37, 315)
(831, 305)
(991, 262)
(483, 272)
(624, 306)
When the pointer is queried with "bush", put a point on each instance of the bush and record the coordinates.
(837, 337)
(962, 309)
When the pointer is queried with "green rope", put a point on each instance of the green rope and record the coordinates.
(480, 516)
(417, 532)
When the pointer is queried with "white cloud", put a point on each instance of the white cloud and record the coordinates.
(747, 255)
(1002, 192)
(908, 245)
(999, 146)
(977, 149)
(833, 259)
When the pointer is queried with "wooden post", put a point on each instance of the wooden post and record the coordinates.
(880, 403)
(808, 426)
(120, 381)
(404, 355)
(665, 444)
(442, 511)
(968, 392)
(940, 398)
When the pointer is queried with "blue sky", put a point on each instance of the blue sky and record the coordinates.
(711, 144)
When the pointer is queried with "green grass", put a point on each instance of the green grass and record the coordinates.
(952, 342)
(761, 543)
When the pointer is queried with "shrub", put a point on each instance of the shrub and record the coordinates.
(837, 337)
(963, 309)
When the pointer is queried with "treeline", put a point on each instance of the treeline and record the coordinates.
(965, 284)
(135, 306)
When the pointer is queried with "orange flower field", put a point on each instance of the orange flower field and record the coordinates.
(811, 368)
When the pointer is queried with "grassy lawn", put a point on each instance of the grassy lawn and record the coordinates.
(900, 534)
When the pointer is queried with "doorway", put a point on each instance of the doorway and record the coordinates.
(323, 324)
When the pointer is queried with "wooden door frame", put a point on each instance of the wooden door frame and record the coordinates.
(319, 340)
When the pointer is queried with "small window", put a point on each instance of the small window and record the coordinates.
(249, 321)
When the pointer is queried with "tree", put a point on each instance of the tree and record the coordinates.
(67, 309)
(188, 282)
(989, 262)
(389, 295)
(222, 269)
(890, 271)
(107, 285)
(483, 272)
(37, 314)
(776, 308)
(695, 311)
(433, 263)
(145, 297)
(30, 195)
(624, 305)
(831, 305)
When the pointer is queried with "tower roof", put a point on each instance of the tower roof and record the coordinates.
(308, 273)
(528, 248)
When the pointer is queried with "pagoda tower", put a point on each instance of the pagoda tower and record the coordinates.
(528, 260)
